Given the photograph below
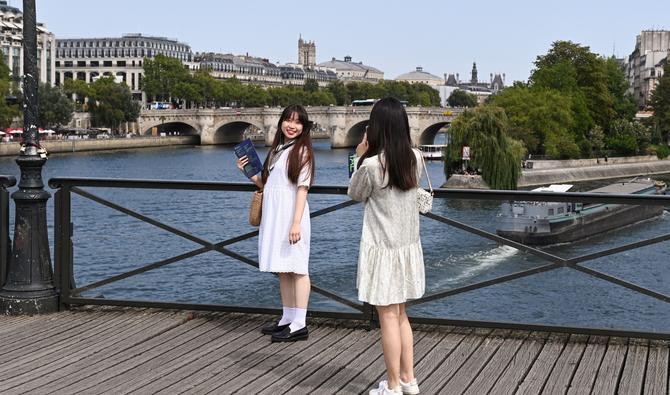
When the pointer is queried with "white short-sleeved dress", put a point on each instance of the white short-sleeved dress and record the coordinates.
(275, 253)
(390, 260)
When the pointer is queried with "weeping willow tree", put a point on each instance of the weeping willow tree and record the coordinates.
(492, 151)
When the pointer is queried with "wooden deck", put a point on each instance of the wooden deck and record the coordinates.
(144, 351)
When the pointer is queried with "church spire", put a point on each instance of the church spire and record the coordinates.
(474, 79)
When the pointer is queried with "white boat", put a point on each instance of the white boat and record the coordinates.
(432, 151)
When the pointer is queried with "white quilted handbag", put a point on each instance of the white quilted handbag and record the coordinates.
(424, 199)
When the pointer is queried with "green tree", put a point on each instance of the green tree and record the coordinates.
(80, 89)
(629, 137)
(492, 150)
(161, 75)
(461, 98)
(660, 104)
(339, 92)
(574, 69)
(542, 119)
(7, 111)
(54, 107)
(624, 104)
(111, 104)
(311, 85)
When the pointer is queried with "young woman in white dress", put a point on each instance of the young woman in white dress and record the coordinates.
(390, 260)
(284, 234)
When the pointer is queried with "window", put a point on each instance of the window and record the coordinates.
(81, 63)
(107, 63)
(551, 211)
(560, 210)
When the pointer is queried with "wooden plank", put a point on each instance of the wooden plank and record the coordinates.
(330, 368)
(370, 374)
(247, 368)
(53, 375)
(33, 364)
(189, 375)
(539, 373)
(34, 337)
(433, 382)
(632, 377)
(426, 363)
(125, 360)
(291, 376)
(469, 371)
(128, 365)
(274, 372)
(585, 375)
(566, 365)
(168, 362)
(611, 367)
(519, 366)
(495, 367)
(656, 381)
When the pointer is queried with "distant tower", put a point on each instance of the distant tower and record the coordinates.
(306, 53)
(474, 80)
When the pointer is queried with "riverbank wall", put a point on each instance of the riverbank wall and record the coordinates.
(557, 172)
(80, 145)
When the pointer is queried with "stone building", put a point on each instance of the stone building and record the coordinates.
(11, 40)
(644, 66)
(297, 74)
(353, 71)
(88, 59)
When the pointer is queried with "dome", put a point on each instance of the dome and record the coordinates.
(419, 75)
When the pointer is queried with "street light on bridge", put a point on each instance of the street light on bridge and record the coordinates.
(29, 288)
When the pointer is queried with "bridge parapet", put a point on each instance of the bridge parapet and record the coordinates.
(343, 124)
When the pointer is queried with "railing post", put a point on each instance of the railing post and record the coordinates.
(29, 288)
(63, 246)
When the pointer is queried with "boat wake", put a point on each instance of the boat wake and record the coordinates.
(471, 265)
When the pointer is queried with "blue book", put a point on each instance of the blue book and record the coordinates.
(255, 165)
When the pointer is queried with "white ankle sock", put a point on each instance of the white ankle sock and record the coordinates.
(299, 318)
(287, 316)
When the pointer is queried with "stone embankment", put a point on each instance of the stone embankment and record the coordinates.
(546, 172)
(62, 146)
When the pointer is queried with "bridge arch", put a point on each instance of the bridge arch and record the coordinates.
(427, 136)
(172, 128)
(354, 134)
(235, 131)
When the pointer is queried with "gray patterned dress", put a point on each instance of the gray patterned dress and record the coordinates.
(390, 261)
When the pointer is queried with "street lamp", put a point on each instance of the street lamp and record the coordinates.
(29, 288)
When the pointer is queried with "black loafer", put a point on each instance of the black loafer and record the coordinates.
(272, 328)
(287, 336)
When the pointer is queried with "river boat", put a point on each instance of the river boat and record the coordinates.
(432, 151)
(544, 223)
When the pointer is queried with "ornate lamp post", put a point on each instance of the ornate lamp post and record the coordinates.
(29, 288)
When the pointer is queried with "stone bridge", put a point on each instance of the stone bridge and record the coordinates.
(344, 126)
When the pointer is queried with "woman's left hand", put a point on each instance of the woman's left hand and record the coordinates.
(294, 234)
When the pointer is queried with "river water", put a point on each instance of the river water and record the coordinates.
(107, 242)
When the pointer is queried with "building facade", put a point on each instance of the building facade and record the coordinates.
(644, 66)
(474, 86)
(419, 76)
(248, 69)
(347, 70)
(11, 40)
(88, 59)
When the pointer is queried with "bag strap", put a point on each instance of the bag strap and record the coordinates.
(430, 185)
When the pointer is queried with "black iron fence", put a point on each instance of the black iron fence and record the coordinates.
(72, 295)
(5, 241)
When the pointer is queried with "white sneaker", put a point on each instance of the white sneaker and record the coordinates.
(411, 388)
(384, 389)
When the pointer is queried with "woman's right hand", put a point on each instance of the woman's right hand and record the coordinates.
(362, 148)
(241, 162)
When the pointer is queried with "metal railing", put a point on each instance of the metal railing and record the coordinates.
(5, 240)
(71, 295)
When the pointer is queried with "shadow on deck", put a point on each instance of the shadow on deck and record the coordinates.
(118, 350)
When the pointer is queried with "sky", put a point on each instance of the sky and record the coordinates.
(393, 36)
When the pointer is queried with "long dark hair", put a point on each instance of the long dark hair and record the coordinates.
(388, 133)
(302, 153)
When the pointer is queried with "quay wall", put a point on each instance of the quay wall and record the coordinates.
(62, 146)
(556, 164)
(557, 175)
